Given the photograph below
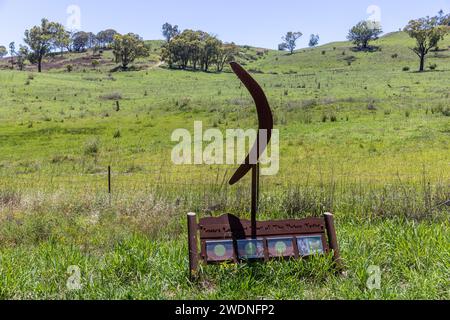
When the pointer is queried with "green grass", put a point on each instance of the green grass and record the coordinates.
(381, 166)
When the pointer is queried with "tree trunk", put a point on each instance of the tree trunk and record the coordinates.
(40, 64)
(365, 44)
(422, 63)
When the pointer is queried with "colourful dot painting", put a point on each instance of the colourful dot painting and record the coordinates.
(250, 249)
(281, 247)
(310, 245)
(217, 251)
(220, 251)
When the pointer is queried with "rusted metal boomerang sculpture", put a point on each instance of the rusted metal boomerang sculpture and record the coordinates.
(230, 239)
(265, 119)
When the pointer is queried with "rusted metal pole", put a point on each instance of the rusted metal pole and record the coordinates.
(332, 240)
(258, 172)
(193, 248)
(255, 196)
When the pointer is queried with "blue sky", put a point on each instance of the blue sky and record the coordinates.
(259, 23)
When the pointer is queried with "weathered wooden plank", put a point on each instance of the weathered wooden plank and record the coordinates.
(229, 226)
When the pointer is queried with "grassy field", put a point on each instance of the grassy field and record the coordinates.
(360, 137)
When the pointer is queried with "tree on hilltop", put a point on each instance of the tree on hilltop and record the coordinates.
(62, 38)
(226, 54)
(127, 48)
(3, 51)
(443, 19)
(290, 41)
(80, 41)
(169, 32)
(364, 32)
(314, 40)
(22, 56)
(106, 38)
(197, 49)
(12, 52)
(427, 33)
(41, 40)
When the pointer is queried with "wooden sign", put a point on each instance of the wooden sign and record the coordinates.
(230, 239)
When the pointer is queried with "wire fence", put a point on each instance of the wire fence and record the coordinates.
(202, 177)
(206, 189)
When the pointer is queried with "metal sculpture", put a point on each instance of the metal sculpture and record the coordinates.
(265, 119)
(230, 239)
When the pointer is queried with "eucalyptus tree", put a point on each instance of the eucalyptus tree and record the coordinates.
(427, 33)
(41, 41)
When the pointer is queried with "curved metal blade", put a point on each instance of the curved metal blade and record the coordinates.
(265, 119)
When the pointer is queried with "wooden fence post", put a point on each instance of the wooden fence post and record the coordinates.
(332, 240)
(109, 179)
(193, 246)
(109, 184)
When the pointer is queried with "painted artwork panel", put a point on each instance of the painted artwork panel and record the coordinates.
(250, 249)
(280, 247)
(310, 245)
(217, 251)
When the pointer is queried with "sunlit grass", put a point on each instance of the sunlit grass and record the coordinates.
(367, 141)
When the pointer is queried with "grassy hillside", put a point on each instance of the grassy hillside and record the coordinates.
(359, 137)
(391, 53)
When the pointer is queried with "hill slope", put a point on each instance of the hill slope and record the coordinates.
(393, 54)
(367, 141)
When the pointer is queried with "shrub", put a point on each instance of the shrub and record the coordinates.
(405, 69)
(92, 147)
(371, 107)
(395, 56)
(117, 134)
(183, 103)
(446, 112)
(432, 66)
(333, 118)
(69, 68)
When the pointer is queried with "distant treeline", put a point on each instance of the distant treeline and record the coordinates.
(48, 37)
(197, 50)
